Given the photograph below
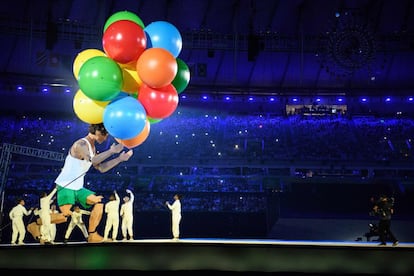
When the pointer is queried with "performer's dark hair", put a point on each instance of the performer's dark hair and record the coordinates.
(94, 127)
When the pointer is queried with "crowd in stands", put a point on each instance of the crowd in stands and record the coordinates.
(197, 140)
(197, 137)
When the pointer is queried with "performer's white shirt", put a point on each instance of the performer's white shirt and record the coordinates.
(45, 203)
(127, 208)
(19, 211)
(112, 207)
(175, 208)
(73, 171)
(76, 217)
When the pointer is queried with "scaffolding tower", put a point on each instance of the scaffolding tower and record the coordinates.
(5, 159)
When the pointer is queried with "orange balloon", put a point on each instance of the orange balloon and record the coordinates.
(137, 140)
(157, 67)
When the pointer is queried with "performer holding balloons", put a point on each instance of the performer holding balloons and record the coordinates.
(132, 83)
(70, 182)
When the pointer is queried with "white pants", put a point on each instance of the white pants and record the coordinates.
(81, 226)
(45, 228)
(18, 230)
(112, 222)
(126, 227)
(176, 226)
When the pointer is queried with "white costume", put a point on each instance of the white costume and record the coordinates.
(76, 220)
(19, 230)
(127, 215)
(44, 214)
(175, 217)
(53, 226)
(112, 217)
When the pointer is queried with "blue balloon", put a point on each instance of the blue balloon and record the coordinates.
(124, 118)
(162, 34)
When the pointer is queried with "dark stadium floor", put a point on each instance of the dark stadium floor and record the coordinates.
(209, 254)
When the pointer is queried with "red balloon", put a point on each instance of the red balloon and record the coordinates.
(157, 67)
(158, 102)
(124, 41)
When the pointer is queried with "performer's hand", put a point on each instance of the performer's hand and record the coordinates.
(116, 148)
(128, 191)
(124, 156)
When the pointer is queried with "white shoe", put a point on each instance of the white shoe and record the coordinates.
(21, 243)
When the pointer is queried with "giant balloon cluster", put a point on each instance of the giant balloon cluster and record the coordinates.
(134, 81)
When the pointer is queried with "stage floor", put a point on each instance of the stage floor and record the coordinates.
(212, 254)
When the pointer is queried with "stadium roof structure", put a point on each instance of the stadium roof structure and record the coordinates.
(270, 47)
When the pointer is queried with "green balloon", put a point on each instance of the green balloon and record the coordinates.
(123, 15)
(182, 78)
(153, 120)
(100, 78)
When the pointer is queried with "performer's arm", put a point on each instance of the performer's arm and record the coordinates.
(106, 166)
(27, 212)
(85, 212)
(169, 205)
(52, 193)
(11, 213)
(99, 158)
(80, 150)
(36, 212)
(174, 205)
(131, 195)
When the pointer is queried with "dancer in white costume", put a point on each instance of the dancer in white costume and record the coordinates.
(18, 228)
(112, 216)
(44, 214)
(127, 215)
(82, 155)
(53, 229)
(175, 208)
(76, 220)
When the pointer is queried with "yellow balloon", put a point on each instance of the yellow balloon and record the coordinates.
(88, 110)
(131, 65)
(132, 82)
(82, 57)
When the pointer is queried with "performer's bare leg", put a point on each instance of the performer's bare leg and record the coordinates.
(94, 220)
(66, 210)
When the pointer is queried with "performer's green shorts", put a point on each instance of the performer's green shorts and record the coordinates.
(67, 196)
